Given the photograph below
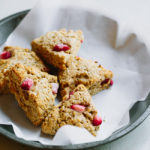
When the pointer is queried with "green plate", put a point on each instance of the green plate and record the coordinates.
(138, 113)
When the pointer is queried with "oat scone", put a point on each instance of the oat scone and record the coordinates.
(34, 90)
(56, 47)
(86, 72)
(3, 82)
(13, 55)
(78, 110)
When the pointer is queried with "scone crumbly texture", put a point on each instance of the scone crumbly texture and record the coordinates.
(86, 72)
(62, 114)
(18, 55)
(3, 81)
(36, 101)
(44, 46)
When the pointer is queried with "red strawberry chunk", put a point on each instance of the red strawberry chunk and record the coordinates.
(104, 81)
(5, 55)
(97, 120)
(27, 84)
(70, 93)
(55, 87)
(77, 107)
(81, 41)
(111, 82)
(61, 47)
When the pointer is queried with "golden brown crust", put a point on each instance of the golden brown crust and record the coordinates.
(36, 101)
(44, 45)
(18, 55)
(25, 56)
(86, 72)
(3, 79)
(62, 114)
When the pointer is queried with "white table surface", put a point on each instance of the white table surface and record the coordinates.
(134, 13)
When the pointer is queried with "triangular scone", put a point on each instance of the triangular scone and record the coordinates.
(56, 47)
(86, 72)
(34, 90)
(3, 81)
(78, 110)
(13, 55)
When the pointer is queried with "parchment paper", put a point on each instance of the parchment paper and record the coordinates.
(105, 41)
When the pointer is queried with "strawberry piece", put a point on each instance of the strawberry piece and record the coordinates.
(55, 87)
(5, 55)
(70, 93)
(27, 84)
(77, 107)
(111, 82)
(97, 121)
(104, 81)
(61, 47)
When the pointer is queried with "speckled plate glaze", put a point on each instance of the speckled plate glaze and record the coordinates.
(138, 113)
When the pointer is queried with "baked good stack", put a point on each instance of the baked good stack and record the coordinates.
(28, 74)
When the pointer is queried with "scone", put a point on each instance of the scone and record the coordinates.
(35, 91)
(78, 111)
(56, 47)
(3, 81)
(86, 72)
(13, 55)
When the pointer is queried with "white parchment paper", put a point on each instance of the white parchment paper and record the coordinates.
(105, 41)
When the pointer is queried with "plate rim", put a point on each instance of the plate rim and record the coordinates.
(120, 133)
